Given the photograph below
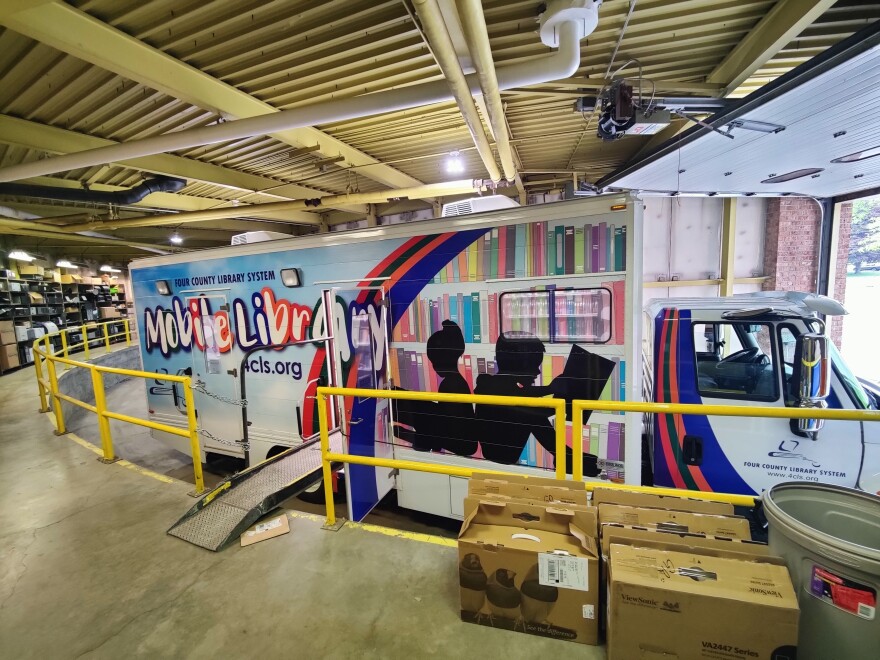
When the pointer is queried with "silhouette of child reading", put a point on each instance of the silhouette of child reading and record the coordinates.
(453, 427)
(505, 430)
(434, 425)
(519, 356)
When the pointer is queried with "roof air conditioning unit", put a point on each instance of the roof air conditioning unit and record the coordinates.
(257, 237)
(478, 205)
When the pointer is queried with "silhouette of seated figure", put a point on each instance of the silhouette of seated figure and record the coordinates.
(435, 425)
(506, 430)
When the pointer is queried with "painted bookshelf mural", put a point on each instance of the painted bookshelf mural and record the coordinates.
(458, 337)
(592, 315)
(412, 370)
(534, 250)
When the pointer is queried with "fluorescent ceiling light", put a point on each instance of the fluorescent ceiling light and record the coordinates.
(858, 155)
(64, 263)
(107, 269)
(176, 238)
(454, 164)
(797, 174)
(20, 255)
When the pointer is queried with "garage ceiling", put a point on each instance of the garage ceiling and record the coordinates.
(85, 73)
(820, 135)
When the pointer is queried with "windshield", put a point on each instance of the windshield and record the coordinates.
(850, 382)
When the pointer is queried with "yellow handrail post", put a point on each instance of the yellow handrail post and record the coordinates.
(321, 400)
(103, 422)
(560, 439)
(38, 367)
(64, 345)
(127, 332)
(85, 340)
(56, 401)
(106, 337)
(193, 428)
(577, 441)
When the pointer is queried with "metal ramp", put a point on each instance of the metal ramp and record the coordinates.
(239, 501)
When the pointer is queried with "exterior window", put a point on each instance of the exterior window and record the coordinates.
(559, 316)
(735, 361)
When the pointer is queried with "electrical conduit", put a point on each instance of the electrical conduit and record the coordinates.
(444, 51)
(477, 36)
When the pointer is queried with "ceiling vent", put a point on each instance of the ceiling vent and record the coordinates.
(257, 237)
(478, 205)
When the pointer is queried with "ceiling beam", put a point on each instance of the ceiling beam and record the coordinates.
(783, 23)
(77, 33)
(25, 228)
(41, 137)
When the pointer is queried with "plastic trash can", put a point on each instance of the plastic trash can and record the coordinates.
(830, 538)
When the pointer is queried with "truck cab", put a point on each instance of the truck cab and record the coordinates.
(768, 350)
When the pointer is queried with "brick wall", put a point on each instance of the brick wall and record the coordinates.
(791, 244)
(843, 234)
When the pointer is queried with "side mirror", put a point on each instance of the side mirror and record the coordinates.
(813, 377)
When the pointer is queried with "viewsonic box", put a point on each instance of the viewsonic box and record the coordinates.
(666, 604)
(528, 488)
(530, 567)
(652, 501)
(680, 521)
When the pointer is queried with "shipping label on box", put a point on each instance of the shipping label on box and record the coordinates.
(529, 567)
(678, 521)
(666, 604)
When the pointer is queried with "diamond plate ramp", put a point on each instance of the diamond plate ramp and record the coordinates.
(238, 502)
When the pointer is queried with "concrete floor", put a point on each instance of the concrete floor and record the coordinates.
(88, 571)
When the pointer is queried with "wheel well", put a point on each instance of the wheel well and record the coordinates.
(277, 449)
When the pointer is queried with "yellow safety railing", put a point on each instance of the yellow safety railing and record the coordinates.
(329, 457)
(48, 390)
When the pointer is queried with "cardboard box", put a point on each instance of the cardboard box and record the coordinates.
(9, 357)
(666, 604)
(266, 529)
(534, 489)
(530, 567)
(7, 326)
(651, 501)
(8, 338)
(30, 269)
(71, 279)
(645, 537)
(108, 312)
(35, 297)
(678, 521)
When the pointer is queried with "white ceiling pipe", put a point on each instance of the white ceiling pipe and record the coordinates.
(477, 36)
(417, 192)
(563, 32)
(444, 51)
